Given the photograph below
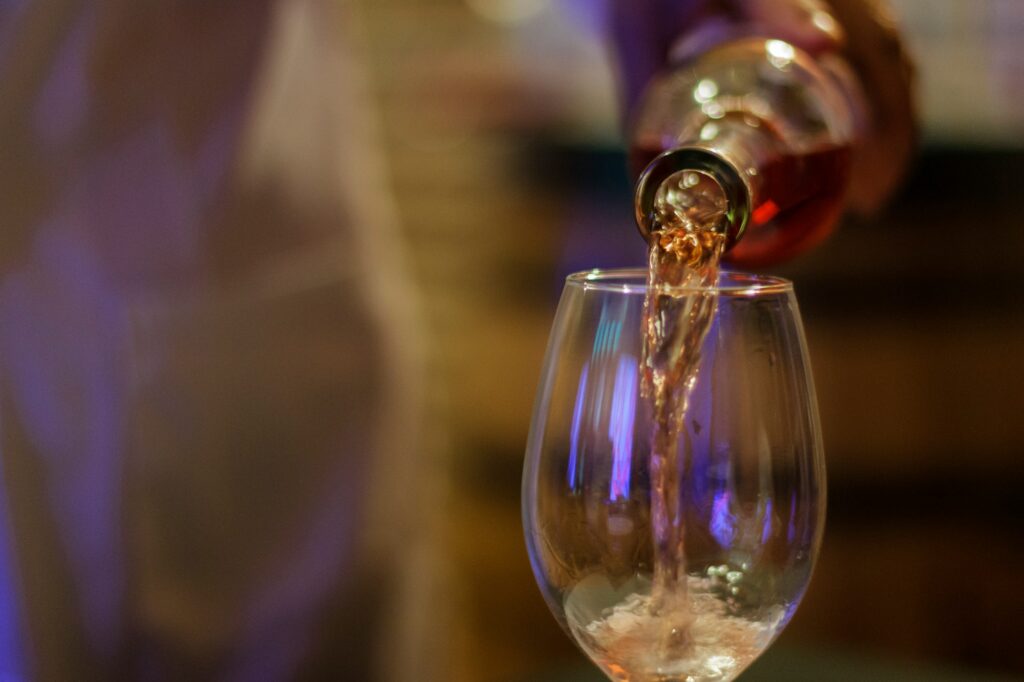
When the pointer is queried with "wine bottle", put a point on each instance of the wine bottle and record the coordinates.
(774, 129)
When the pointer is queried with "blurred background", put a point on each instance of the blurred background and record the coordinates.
(504, 147)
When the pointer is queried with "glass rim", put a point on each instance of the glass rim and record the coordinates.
(634, 281)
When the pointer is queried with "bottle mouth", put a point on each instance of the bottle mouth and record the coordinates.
(695, 186)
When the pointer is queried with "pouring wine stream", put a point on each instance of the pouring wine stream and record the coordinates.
(686, 245)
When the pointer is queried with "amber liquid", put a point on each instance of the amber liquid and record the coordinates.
(678, 312)
(799, 201)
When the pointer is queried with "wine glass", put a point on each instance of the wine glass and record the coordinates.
(751, 489)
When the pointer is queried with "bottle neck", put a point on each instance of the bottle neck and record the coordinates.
(729, 152)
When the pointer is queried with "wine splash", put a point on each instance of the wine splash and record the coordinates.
(720, 645)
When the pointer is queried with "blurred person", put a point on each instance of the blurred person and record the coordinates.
(212, 466)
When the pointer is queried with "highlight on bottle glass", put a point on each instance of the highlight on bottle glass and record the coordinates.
(674, 493)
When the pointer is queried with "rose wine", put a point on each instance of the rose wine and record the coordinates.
(675, 324)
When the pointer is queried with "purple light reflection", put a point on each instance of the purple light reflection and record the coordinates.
(620, 426)
(791, 530)
(12, 665)
(577, 417)
(766, 533)
(723, 521)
